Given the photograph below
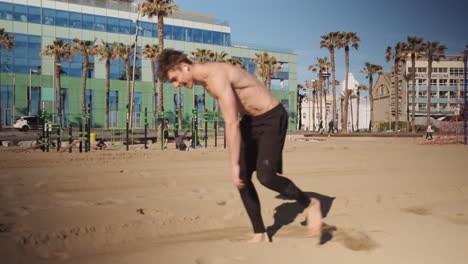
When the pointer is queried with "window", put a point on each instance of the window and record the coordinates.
(420, 69)
(207, 37)
(443, 70)
(88, 21)
(178, 33)
(433, 81)
(113, 108)
(112, 25)
(188, 34)
(197, 35)
(6, 11)
(456, 71)
(304, 115)
(453, 82)
(422, 81)
(137, 110)
(124, 26)
(168, 32)
(147, 29)
(6, 104)
(217, 38)
(100, 23)
(34, 14)
(20, 13)
(61, 18)
(435, 69)
(443, 82)
(443, 94)
(75, 20)
(48, 16)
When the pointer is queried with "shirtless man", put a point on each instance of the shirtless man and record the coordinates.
(255, 143)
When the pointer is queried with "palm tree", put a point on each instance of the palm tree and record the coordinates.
(58, 50)
(330, 42)
(86, 48)
(397, 54)
(408, 76)
(266, 67)
(433, 51)
(236, 62)
(358, 95)
(413, 47)
(124, 52)
(105, 52)
(300, 98)
(151, 52)
(159, 9)
(369, 70)
(6, 42)
(345, 39)
(312, 87)
(321, 67)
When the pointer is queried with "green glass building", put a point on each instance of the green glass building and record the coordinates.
(36, 23)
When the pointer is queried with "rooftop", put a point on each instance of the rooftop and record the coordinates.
(130, 6)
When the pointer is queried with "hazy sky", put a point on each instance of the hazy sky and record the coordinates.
(298, 25)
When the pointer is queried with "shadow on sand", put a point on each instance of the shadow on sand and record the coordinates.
(288, 211)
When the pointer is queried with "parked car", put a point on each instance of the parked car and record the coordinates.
(26, 123)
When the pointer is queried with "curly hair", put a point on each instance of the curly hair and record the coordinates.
(168, 59)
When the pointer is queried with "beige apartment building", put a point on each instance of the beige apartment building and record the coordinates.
(446, 90)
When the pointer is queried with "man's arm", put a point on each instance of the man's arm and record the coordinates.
(228, 103)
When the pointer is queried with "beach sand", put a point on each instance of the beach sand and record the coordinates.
(397, 201)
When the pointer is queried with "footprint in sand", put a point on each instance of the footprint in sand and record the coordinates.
(355, 240)
(153, 212)
(459, 219)
(417, 210)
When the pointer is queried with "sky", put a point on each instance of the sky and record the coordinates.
(298, 25)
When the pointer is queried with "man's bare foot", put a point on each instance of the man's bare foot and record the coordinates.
(314, 217)
(259, 238)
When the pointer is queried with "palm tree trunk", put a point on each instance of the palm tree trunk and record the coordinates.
(325, 124)
(371, 98)
(179, 108)
(313, 111)
(332, 58)
(160, 84)
(397, 94)
(352, 116)
(129, 94)
(107, 91)
(342, 113)
(429, 73)
(320, 97)
(357, 110)
(83, 85)
(59, 92)
(155, 92)
(413, 92)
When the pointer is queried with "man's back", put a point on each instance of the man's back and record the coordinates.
(251, 95)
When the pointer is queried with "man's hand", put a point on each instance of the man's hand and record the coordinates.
(235, 176)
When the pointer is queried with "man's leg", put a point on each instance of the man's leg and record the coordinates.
(270, 151)
(248, 193)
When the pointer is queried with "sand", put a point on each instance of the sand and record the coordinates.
(397, 201)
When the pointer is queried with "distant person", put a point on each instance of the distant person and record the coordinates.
(429, 132)
(331, 127)
(100, 145)
(321, 127)
(180, 144)
(166, 132)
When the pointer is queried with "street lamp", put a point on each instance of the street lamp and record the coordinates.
(29, 89)
(130, 117)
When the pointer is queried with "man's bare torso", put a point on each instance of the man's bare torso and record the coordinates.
(251, 95)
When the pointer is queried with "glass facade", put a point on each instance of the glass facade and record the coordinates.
(113, 109)
(23, 56)
(63, 18)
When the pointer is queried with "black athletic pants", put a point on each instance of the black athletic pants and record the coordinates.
(261, 150)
